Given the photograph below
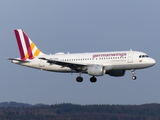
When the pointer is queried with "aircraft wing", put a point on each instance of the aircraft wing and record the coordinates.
(72, 65)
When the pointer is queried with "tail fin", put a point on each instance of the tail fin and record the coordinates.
(27, 48)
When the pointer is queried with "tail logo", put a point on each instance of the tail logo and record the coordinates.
(27, 48)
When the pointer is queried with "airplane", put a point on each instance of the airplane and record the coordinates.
(94, 64)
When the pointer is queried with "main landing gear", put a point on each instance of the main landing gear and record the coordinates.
(92, 79)
(133, 72)
(79, 79)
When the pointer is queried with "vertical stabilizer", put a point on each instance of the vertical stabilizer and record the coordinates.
(27, 49)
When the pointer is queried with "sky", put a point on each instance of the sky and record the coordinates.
(78, 26)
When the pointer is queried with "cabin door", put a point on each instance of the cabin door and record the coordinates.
(130, 57)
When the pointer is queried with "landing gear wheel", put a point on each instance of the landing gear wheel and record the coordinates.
(133, 72)
(93, 79)
(134, 77)
(79, 79)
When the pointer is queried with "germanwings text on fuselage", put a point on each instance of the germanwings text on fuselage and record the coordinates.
(107, 55)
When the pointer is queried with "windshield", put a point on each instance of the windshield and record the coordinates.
(143, 56)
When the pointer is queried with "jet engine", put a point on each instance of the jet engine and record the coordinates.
(116, 73)
(96, 70)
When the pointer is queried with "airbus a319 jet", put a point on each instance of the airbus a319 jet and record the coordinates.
(94, 64)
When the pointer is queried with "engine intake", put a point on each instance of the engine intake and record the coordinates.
(96, 70)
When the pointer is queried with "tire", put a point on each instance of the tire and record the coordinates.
(93, 79)
(134, 77)
(79, 79)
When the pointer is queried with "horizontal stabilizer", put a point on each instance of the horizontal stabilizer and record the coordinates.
(19, 60)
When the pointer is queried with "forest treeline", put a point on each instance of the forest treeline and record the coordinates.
(67, 111)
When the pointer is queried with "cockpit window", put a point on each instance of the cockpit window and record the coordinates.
(143, 56)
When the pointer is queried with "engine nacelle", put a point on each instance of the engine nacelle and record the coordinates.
(96, 70)
(116, 73)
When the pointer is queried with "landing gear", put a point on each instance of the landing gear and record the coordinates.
(134, 77)
(133, 72)
(93, 79)
(79, 79)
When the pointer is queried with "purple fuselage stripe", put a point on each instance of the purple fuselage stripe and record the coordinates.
(28, 46)
(19, 44)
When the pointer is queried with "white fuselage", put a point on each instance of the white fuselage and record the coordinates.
(121, 60)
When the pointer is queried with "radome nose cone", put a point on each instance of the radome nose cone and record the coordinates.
(153, 61)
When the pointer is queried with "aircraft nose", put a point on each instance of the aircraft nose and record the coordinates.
(152, 61)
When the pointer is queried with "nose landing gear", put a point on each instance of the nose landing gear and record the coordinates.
(133, 72)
